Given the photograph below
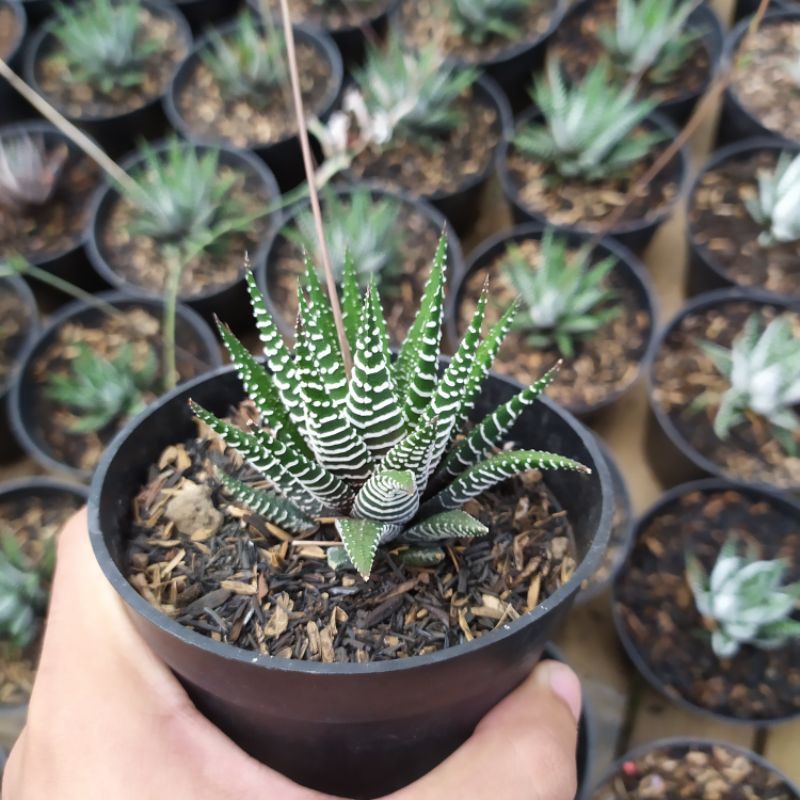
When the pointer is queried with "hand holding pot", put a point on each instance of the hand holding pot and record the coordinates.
(108, 720)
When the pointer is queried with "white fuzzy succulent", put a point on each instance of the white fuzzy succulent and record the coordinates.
(776, 207)
(745, 600)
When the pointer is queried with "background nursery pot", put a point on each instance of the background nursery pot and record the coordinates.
(201, 14)
(14, 25)
(706, 271)
(227, 301)
(359, 730)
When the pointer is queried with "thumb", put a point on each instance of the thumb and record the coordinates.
(524, 749)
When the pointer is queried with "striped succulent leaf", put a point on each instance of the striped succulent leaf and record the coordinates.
(350, 299)
(446, 525)
(360, 538)
(389, 496)
(421, 556)
(415, 451)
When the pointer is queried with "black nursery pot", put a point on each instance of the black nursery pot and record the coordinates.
(227, 302)
(284, 157)
(12, 106)
(201, 14)
(635, 234)
(37, 11)
(120, 132)
(356, 730)
(631, 268)
(20, 401)
(746, 8)
(705, 273)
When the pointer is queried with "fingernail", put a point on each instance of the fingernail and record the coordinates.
(563, 682)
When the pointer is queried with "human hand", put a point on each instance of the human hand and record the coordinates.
(107, 720)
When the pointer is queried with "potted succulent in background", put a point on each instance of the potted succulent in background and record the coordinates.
(232, 89)
(105, 65)
(32, 511)
(723, 390)
(671, 47)
(593, 308)
(13, 27)
(377, 485)
(693, 769)
(574, 158)
(393, 249)
(763, 98)
(92, 368)
(46, 184)
(709, 598)
(416, 122)
(744, 219)
(197, 211)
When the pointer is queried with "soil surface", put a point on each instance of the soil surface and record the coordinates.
(81, 101)
(683, 372)
(657, 608)
(227, 574)
(761, 79)
(605, 362)
(694, 773)
(336, 15)
(34, 522)
(9, 30)
(15, 323)
(721, 224)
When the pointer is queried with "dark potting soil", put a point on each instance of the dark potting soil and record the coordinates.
(401, 283)
(9, 30)
(605, 362)
(720, 222)
(761, 79)
(203, 104)
(336, 15)
(105, 335)
(579, 48)
(694, 772)
(80, 100)
(15, 323)
(658, 611)
(424, 21)
(144, 261)
(34, 523)
(683, 372)
(40, 233)
(443, 166)
(217, 568)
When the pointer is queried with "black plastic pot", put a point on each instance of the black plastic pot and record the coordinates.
(228, 302)
(12, 106)
(201, 14)
(632, 269)
(37, 10)
(357, 730)
(8, 445)
(118, 133)
(20, 400)
(705, 272)
(671, 457)
(262, 264)
(680, 746)
(737, 122)
(283, 157)
(662, 506)
(746, 8)
(634, 234)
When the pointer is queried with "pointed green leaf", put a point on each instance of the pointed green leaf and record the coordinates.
(360, 538)
(414, 452)
(446, 525)
(421, 556)
(351, 299)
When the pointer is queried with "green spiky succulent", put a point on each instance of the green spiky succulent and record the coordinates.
(763, 368)
(99, 391)
(29, 171)
(479, 20)
(378, 450)
(648, 36)
(563, 296)
(103, 42)
(745, 600)
(364, 225)
(590, 129)
(776, 206)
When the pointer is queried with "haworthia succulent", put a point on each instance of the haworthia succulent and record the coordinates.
(446, 525)
(389, 496)
(351, 299)
(360, 538)
(414, 452)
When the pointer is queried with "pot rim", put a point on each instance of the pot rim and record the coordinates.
(20, 287)
(344, 30)
(21, 18)
(704, 485)
(231, 653)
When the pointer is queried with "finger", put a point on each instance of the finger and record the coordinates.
(524, 749)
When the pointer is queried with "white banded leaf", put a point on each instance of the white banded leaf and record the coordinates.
(414, 451)
(350, 299)
(421, 556)
(360, 538)
(389, 496)
(455, 524)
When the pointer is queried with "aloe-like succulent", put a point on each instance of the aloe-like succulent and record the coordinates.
(103, 42)
(377, 450)
(562, 296)
(99, 391)
(763, 368)
(649, 35)
(29, 171)
(744, 600)
(589, 128)
(479, 20)
(776, 206)
(364, 225)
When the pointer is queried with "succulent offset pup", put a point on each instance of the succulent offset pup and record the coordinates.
(379, 451)
(776, 206)
(745, 600)
(29, 171)
(479, 20)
